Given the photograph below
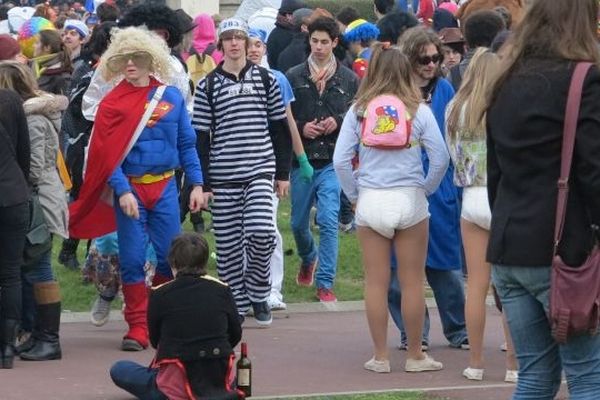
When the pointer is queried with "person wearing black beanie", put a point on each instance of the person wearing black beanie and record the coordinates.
(284, 30)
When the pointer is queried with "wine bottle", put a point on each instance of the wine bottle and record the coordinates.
(244, 372)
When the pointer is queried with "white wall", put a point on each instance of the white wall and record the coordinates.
(194, 7)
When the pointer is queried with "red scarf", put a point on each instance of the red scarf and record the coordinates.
(92, 214)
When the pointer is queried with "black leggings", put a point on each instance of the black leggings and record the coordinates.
(14, 224)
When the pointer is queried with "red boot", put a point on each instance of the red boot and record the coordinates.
(159, 279)
(136, 307)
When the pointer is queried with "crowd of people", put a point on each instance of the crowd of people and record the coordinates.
(433, 133)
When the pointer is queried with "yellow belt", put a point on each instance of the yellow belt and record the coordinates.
(151, 178)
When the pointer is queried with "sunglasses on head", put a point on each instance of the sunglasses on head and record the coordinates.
(141, 59)
(426, 60)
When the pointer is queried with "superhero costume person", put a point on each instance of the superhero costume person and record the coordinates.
(136, 174)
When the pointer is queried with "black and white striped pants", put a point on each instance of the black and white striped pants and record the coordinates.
(245, 238)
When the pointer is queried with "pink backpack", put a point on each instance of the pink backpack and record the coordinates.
(386, 123)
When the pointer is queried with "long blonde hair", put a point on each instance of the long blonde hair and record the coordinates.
(19, 78)
(138, 39)
(466, 114)
(389, 72)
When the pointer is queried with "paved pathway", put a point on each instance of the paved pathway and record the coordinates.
(303, 353)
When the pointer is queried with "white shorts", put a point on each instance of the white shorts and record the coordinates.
(476, 207)
(388, 210)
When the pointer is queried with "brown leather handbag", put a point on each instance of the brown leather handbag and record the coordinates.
(574, 291)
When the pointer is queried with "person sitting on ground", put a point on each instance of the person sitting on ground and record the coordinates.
(194, 326)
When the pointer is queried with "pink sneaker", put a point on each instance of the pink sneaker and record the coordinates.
(326, 295)
(306, 274)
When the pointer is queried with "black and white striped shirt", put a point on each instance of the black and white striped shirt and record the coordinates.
(240, 147)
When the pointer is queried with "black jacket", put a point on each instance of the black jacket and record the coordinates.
(295, 53)
(524, 127)
(278, 40)
(14, 150)
(195, 320)
(334, 102)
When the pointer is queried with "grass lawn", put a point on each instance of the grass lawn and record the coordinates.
(348, 286)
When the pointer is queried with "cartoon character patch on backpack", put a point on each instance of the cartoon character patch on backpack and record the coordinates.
(386, 124)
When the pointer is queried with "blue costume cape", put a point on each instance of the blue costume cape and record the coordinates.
(445, 244)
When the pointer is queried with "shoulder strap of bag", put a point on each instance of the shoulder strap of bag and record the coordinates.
(264, 77)
(145, 118)
(209, 89)
(568, 144)
(210, 49)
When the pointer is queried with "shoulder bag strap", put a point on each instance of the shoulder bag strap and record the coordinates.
(145, 118)
(568, 144)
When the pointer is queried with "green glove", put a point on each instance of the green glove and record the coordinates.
(306, 170)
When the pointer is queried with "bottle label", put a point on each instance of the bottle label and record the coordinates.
(243, 378)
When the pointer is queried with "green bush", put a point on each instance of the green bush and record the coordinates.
(364, 7)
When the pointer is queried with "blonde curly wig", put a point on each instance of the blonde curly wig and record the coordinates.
(137, 39)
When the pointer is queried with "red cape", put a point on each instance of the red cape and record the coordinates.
(92, 214)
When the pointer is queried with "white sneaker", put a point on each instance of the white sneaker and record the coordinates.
(426, 364)
(275, 304)
(512, 376)
(474, 374)
(382, 367)
(100, 311)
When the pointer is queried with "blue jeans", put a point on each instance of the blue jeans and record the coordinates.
(524, 292)
(324, 189)
(42, 272)
(447, 286)
(136, 379)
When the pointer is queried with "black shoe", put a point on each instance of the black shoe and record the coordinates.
(8, 332)
(26, 345)
(262, 313)
(68, 254)
(424, 346)
(43, 350)
(131, 345)
(70, 262)
(47, 325)
(464, 345)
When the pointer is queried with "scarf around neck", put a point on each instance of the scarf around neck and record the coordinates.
(319, 75)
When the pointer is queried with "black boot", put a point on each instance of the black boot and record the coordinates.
(8, 328)
(46, 345)
(68, 254)
(26, 345)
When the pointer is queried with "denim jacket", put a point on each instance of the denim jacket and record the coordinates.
(334, 102)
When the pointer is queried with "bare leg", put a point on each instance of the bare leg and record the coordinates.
(411, 251)
(376, 251)
(475, 241)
